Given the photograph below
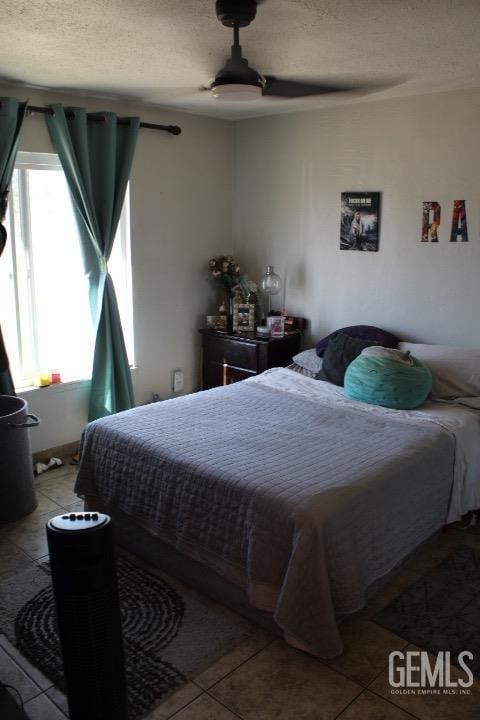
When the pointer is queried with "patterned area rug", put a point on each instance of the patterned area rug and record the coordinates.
(441, 611)
(170, 632)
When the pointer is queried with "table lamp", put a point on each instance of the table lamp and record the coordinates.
(270, 284)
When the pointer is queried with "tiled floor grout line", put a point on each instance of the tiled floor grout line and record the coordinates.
(319, 660)
(181, 709)
(370, 689)
(406, 644)
(399, 707)
(207, 692)
(54, 703)
(257, 652)
(352, 701)
(5, 649)
(40, 691)
(220, 702)
(41, 492)
(175, 712)
(25, 552)
(60, 507)
(25, 672)
(30, 557)
(50, 700)
(367, 688)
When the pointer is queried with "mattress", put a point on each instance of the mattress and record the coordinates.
(461, 418)
(284, 487)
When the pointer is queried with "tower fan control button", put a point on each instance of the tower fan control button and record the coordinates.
(79, 522)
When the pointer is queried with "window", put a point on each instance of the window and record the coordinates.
(44, 308)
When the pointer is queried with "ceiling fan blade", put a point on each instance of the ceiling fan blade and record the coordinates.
(276, 87)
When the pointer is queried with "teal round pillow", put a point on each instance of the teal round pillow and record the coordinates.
(390, 378)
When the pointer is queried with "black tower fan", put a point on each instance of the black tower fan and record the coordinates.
(88, 613)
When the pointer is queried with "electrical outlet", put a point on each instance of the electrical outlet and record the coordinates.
(178, 381)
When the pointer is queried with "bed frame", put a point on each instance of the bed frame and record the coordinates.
(130, 536)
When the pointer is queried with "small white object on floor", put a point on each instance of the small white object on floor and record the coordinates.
(42, 467)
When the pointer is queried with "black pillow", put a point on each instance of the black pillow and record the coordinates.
(365, 332)
(340, 352)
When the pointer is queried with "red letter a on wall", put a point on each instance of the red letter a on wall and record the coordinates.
(459, 221)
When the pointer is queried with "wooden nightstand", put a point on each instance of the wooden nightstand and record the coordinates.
(228, 358)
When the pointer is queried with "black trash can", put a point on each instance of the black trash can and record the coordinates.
(17, 491)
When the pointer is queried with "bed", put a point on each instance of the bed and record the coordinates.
(289, 493)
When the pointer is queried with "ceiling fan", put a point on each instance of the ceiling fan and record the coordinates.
(238, 81)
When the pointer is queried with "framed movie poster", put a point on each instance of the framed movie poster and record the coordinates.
(359, 221)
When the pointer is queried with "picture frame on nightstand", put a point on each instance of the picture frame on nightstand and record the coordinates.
(243, 318)
(276, 325)
(216, 322)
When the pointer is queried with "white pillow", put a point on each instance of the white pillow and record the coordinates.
(309, 360)
(389, 354)
(455, 370)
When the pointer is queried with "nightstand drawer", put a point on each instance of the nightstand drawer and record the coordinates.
(234, 352)
(230, 358)
(220, 374)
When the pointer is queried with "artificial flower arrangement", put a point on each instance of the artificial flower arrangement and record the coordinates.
(226, 271)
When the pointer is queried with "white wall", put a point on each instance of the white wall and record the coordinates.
(289, 173)
(180, 217)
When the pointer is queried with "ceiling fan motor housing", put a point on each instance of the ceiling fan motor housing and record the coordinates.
(236, 12)
(237, 71)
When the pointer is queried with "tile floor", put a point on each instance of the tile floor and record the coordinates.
(262, 679)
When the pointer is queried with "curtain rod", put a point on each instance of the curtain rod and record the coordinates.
(172, 129)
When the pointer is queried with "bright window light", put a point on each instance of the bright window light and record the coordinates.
(44, 309)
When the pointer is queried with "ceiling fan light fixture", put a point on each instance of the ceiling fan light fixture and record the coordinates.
(236, 92)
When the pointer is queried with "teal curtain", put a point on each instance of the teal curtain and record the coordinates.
(96, 151)
(12, 115)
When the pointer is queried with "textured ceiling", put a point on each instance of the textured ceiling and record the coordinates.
(163, 51)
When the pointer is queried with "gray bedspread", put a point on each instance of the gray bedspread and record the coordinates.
(304, 505)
